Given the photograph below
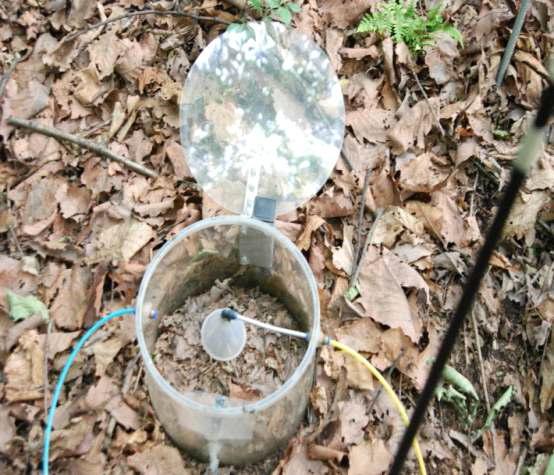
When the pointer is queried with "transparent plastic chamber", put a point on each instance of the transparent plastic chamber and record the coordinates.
(238, 432)
(262, 116)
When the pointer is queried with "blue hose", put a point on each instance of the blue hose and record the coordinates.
(63, 375)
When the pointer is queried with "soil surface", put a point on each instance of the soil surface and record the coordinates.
(265, 363)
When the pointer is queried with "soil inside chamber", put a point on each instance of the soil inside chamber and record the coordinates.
(266, 362)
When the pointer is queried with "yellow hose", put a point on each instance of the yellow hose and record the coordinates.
(387, 387)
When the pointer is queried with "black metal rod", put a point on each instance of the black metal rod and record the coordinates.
(528, 148)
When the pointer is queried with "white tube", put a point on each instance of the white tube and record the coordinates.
(273, 328)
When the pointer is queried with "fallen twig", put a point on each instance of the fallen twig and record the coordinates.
(46, 383)
(89, 145)
(368, 241)
(360, 218)
(389, 374)
(510, 47)
(428, 103)
(142, 13)
(124, 389)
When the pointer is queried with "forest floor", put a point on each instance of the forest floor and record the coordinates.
(77, 232)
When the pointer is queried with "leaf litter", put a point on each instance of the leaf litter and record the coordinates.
(77, 233)
(266, 362)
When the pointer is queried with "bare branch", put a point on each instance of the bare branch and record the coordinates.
(88, 144)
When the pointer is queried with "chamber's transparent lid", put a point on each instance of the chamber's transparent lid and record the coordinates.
(262, 114)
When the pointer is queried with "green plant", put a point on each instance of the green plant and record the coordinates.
(401, 21)
(277, 9)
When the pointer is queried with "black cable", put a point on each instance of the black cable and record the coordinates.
(517, 177)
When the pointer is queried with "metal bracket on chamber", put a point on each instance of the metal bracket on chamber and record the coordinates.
(255, 247)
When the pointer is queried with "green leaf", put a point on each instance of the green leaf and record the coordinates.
(273, 4)
(294, 8)
(550, 466)
(460, 381)
(352, 293)
(21, 308)
(256, 5)
(284, 15)
(499, 405)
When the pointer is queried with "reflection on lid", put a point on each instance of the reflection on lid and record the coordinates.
(262, 97)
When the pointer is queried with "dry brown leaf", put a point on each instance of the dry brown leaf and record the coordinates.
(105, 352)
(357, 375)
(381, 283)
(362, 335)
(104, 53)
(521, 223)
(388, 59)
(69, 306)
(13, 277)
(370, 124)
(320, 452)
(360, 53)
(466, 149)
(422, 173)
(123, 414)
(23, 101)
(333, 43)
(176, 155)
(139, 145)
(58, 342)
(135, 55)
(369, 458)
(353, 420)
(313, 222)
(344, 13)
(8, 429)
(332, 203)
(158, 460)
(121, 241)
(24, 369)
(99, 394)
(413, 125)
(392, 223)
(88, 89)
(439, 58)
(75, 201)
(319, 400)
(76, 440)
(442, 218)
(343, 256)
(505, 460)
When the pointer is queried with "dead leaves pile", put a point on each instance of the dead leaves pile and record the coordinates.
(78, 231)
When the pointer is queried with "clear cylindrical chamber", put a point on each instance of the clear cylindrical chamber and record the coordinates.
(207, 425)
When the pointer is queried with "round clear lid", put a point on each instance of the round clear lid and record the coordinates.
(262, 114)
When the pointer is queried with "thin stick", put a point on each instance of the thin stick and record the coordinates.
(528, 152)
(480, 358)
(483, 374)
(510, 47)
(367, 243)
(45, 370)
(520, 461)
(142, 13)
(428, 103)
(360, 219)
(89, 145)
(389, 374)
